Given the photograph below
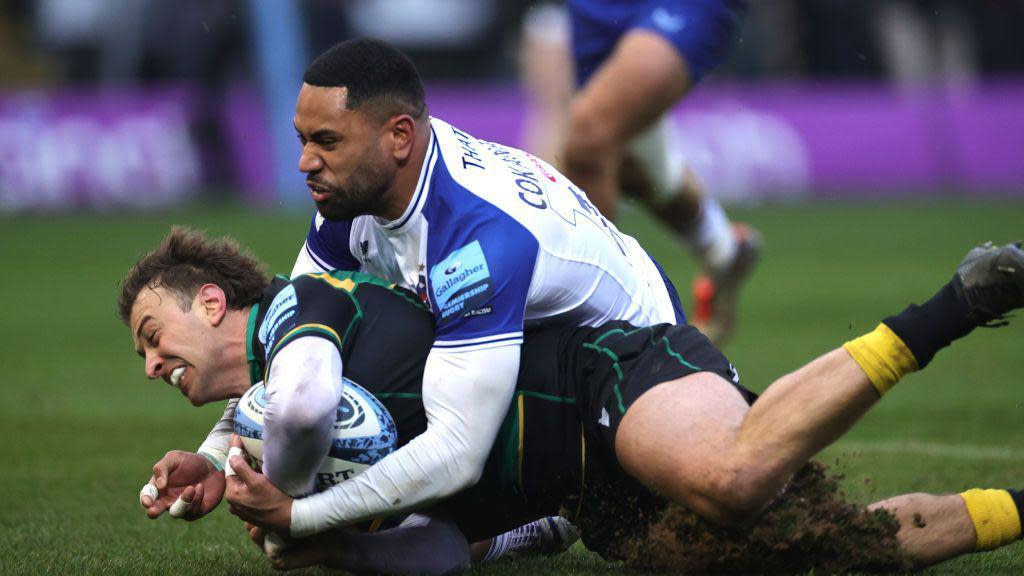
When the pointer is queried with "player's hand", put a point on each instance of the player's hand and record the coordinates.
(314, 550)
(256, 534)
(185, 475)
(295, 554)
(255, 499)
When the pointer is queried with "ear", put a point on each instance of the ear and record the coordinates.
(212, 303)
(402, 129)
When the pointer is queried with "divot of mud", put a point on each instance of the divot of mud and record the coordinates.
(809, 526)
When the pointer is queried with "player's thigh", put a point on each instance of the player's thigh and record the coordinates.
(677, 436)
(641, 79)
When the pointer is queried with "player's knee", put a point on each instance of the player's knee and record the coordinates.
(590, 140)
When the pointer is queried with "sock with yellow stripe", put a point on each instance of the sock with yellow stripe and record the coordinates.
(996, 515)
(883, 356)
(932, 326)
(908, 341)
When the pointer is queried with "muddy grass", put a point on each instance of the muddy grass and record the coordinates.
(810, 526)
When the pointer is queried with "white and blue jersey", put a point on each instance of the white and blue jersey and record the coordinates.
(495, 240)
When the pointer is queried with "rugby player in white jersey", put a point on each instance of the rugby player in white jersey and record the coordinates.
(490, 237)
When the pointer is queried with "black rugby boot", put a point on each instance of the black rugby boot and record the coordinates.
(990, 280)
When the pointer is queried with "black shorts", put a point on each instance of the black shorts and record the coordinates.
(555, 452)
(616, 364)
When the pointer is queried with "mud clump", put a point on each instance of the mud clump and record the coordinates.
(809, 526)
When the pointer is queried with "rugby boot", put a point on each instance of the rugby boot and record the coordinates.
(715, 294)
(990, 279)
(549, 535)
(558, 533)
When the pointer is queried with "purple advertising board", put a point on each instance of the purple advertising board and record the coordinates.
(136, 147)
(73, 149)
(763, 141)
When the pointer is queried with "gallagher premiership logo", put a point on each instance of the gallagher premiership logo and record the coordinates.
(461, 282)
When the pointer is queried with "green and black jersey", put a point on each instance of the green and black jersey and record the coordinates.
(382, 332)
(554, 453)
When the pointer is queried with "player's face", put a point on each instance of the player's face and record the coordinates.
(348, 170)
(181, 347)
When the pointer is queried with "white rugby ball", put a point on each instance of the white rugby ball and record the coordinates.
(364, 432)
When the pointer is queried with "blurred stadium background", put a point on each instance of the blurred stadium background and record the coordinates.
(871, 141)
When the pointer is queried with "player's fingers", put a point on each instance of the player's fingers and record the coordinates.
(160, 475)
(274, 545)
(255, 533)
(295, 556)
(163, 469)
(156, 509)
(241, 468)
(183, 503)
(196, 509)
(234, 452)
(148, 494)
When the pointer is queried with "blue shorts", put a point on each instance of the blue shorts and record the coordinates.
(701, 30)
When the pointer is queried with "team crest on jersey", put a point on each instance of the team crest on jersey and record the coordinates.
(280, 316)
(461, 283)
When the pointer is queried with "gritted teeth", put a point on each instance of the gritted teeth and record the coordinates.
(176, 375)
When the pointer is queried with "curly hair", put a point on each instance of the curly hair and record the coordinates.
(185, 261)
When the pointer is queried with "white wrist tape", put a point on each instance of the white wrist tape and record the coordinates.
(148, 490)
(233, 451)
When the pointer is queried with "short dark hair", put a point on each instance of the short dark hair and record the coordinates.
(375, 73)
(185, 261)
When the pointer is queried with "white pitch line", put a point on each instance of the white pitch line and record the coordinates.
(962, 451)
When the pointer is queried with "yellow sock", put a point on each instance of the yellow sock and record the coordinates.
(994, 515)
(883, 357)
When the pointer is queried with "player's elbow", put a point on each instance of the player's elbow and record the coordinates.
(466, 475)
(734, 497)
(296, 421)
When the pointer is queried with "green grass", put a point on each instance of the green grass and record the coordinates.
(81, 426)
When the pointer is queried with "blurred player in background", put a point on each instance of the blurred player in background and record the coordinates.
(545, 71)
(634, 61)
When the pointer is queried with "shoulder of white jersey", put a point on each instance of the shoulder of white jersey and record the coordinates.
(514, 181)
(334, 245)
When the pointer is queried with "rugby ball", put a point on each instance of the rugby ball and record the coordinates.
(364, 432)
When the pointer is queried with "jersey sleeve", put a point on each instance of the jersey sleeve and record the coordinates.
(479, 280)
(319, 305)
(328, 244)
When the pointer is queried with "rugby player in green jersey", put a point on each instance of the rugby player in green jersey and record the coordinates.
(608, 425)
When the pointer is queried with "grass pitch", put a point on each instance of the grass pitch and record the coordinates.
(81, 426)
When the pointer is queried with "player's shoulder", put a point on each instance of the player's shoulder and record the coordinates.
(347, 287)
(478, 183)
(332, 244)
